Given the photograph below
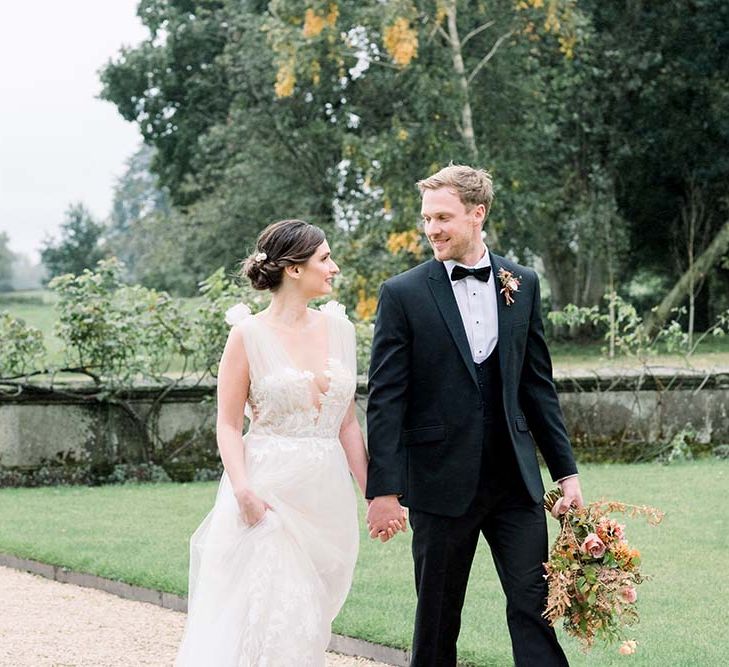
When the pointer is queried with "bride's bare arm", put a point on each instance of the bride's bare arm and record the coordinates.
(350, 435)
(233, 384)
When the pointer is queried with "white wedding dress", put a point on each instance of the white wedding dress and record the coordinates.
(265, 596)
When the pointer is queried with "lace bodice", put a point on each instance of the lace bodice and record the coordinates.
(280, 398)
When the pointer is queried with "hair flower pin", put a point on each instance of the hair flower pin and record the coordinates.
(509, 284)
(261, 257)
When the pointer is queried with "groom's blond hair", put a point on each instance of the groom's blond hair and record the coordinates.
(473, 186)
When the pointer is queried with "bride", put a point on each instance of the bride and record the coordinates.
(272, 563)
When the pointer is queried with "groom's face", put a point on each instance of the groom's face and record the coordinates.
(452, 231)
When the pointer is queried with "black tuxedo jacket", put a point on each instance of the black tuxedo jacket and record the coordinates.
(425, 417)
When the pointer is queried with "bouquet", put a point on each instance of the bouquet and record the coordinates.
(593, 572)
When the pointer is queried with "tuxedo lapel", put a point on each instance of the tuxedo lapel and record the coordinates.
(440, 286)
(505, 314)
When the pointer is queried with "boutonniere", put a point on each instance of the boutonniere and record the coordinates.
(509, 284)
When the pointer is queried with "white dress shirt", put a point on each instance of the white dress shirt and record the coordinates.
(477, 304)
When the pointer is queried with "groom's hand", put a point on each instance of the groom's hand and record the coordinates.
(383, 514)
(571, 495)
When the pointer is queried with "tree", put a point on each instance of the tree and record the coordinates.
(298, 126)
(172, 86)
(136, 193)
(669, 78)
(691, 238)
(26, 274)
(201, 90)
(6, 263)
(701, 265)
(584, 112)
(79, 247)
(138, 201)
(559, 185)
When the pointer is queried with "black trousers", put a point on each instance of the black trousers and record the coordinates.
(516, 531)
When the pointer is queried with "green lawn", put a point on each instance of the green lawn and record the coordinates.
(139, 534)
(713, 352)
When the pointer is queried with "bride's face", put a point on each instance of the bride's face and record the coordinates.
(317, 274)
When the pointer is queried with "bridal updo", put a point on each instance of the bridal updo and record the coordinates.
(281, 244)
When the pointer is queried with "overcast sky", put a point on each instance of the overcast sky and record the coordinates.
(58, 143)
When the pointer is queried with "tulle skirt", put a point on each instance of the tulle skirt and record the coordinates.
(266, 595)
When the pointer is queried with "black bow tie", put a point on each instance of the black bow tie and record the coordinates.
(482, 274)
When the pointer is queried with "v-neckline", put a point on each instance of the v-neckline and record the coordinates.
(321, 396)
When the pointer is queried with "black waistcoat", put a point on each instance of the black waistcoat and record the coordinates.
(498, 463)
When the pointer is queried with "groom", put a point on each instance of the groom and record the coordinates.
(460, 390)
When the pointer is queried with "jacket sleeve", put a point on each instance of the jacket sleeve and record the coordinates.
(538, 398)
(388, 386)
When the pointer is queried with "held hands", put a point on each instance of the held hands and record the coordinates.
(385, 517)
(571, 496)
(252, 508)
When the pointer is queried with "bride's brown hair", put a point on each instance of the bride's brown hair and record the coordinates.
(281, 244)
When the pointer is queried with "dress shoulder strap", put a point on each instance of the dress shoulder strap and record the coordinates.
(343, 343)
(244, 322)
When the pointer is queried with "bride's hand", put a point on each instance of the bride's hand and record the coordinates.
(395, 527)
(252, 508)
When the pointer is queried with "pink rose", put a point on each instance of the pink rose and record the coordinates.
(628, 594)
(593, 545)
(609, 530)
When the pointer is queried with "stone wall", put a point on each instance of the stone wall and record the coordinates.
(72, 426)
(638, 415)
(630, 416)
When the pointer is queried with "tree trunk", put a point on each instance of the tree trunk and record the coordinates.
(467, 132)
(560, 273)
(702, 265)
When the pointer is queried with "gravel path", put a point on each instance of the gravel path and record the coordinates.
(43, 622)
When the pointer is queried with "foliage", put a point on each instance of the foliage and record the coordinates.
(210, 330)
(200, 88)
(172, 84)
(668, 95)
(119, 332)
(593, 573)
(82, 474)
(310, 153)
(22, 350)
(679, 449)
(122, 336)
(364, 332)
(594, 118)
(630, 336)
(79, 247)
